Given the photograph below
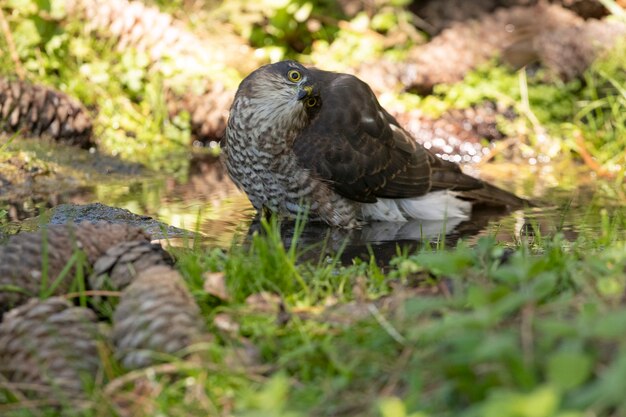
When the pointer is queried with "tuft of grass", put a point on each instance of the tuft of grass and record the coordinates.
(601, 115)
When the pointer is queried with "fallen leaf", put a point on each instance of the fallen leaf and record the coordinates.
(226, 323)
(215, 284)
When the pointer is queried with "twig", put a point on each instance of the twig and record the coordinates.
(388, 327)
(588, 159)
(30, 405)
(6, 30)
(33, 405)
(499, 148)
(166, 368)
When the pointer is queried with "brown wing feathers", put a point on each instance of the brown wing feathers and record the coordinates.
(361, 150)
(351, 144)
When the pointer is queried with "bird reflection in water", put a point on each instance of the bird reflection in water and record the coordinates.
(383, 240)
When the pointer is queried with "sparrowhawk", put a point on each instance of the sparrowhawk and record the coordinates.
(305, 139)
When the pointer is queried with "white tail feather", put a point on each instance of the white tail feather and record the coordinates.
(438, 205)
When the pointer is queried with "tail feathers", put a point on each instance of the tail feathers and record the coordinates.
(438, 205)
(490, 195)
(473, 189)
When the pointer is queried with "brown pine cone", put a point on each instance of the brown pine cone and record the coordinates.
(135, 25)
(21, 258)
(43, 111)
(466, 45)
(119, 266)
(208, 111)
(440, 14)
(49, 347)
(156, 315)
(97, 238)
(458, 135)
(569, 51)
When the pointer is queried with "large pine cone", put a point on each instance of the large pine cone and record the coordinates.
(43, 111)
(569, 51)
(458, 135)
(436, 15)
(21, 258)
(208, 111)
(51, 346)
(134, 25)
(156, 315)
(440, 14)
(466, 45)
(119, 266)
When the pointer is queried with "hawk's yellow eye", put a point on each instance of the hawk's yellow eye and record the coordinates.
(294, 75)
(311, 102)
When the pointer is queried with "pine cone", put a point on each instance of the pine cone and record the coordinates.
(458, 134)
(568, 52)
(21, 258)
(145, 28)
(156, 314)
(43, 111)
(97, 238)
(208, 111)
(119, 266)
(441, 14)
(465, 45)
(51, 346)
(134, 25)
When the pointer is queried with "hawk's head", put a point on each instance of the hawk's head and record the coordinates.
(283, 94)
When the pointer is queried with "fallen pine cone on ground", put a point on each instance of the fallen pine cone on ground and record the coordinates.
(459, 135)
(156, 315)
(119, 266)
(135, 25)
(569, 51)
(167, 42)
(208, 110)
(27, 256)
(440, 14)
(48, 349)
(40, 110)
(466, 45)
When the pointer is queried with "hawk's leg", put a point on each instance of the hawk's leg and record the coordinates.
(265, 213)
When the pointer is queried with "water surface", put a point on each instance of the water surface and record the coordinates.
(572, 203)
(569, 200)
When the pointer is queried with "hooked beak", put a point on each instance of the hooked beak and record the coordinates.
(304, 91)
